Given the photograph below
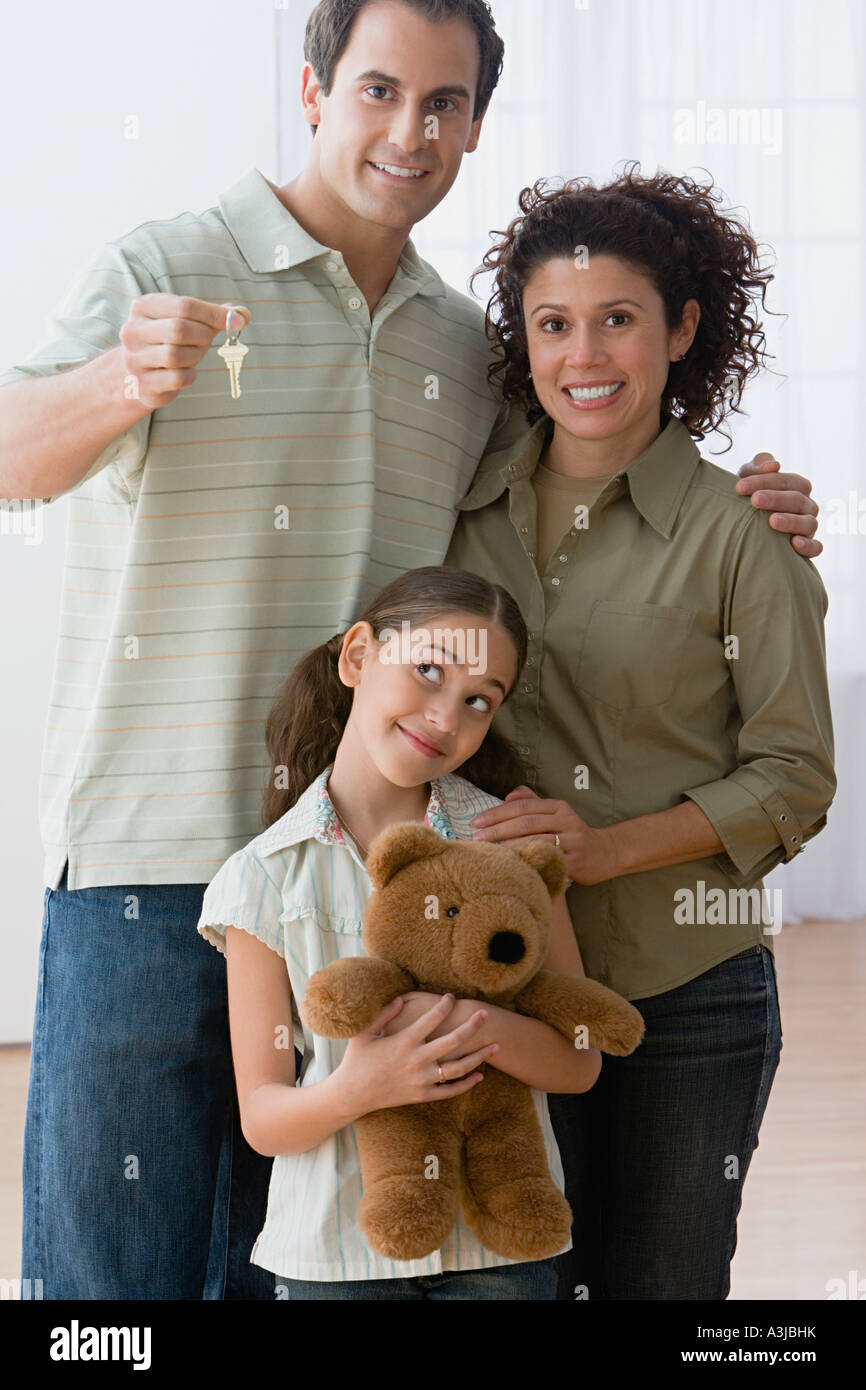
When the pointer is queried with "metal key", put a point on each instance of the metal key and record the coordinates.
(233, 353)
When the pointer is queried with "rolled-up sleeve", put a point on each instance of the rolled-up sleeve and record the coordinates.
(86, 324)
(777, 797)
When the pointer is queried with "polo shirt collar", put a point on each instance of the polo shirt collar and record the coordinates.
(313, 817)
(657, 480)
(430, 282)
(258, 221)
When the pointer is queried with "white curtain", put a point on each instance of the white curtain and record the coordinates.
(770, 100)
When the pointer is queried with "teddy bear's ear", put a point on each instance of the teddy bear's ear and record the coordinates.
(399, 845)
(547, 860)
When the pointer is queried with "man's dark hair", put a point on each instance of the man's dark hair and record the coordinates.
(329, 30)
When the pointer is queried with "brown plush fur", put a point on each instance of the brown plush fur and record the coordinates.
(488, 1142)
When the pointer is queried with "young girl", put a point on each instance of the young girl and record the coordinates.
(369, 729)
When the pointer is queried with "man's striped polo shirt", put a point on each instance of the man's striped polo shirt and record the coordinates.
(218, 539)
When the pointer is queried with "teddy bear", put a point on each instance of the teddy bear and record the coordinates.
(472, 918)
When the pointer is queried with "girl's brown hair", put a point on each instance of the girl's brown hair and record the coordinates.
(666, 226)
(311, 708)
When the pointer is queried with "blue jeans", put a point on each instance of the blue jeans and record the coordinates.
(138, 1183)
(530, 1279)
(656, 1154)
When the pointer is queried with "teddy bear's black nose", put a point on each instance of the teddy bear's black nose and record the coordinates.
(506, 947)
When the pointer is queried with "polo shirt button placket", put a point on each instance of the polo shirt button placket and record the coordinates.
(387, 304)
(376, 373)
(362, 325)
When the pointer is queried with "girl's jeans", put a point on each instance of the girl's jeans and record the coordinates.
(137, 1180)
(656, 1154)
(532, 1279)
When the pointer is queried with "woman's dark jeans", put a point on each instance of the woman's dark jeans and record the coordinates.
(656, 1154)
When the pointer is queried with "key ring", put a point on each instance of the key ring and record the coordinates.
(233, 336)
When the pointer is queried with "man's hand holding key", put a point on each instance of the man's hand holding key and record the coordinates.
(165, 338)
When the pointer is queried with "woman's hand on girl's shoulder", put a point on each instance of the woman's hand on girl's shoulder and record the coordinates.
(589, 852)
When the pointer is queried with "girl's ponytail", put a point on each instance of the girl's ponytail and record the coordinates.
(304, 727)
(312, 707)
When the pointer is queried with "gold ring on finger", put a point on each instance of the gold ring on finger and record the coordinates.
(441, 1075)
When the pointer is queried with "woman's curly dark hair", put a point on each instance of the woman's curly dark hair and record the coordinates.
(666, 226)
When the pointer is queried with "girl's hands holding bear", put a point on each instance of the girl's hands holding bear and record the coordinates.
(380, 1070)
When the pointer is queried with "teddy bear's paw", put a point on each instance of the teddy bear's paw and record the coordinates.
(407, 1218)
(330, 1014)
(528, 1219)
(603, 1019)
(619, 1034)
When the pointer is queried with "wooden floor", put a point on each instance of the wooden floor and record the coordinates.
(803, 1221)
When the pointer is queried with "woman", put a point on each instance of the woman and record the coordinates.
(674, 707)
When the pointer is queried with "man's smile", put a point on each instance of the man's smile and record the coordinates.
(399, 173)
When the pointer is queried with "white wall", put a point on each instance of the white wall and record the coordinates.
(72, 75)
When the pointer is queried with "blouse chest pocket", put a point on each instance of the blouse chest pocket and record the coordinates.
(632, 653)
(331, 923)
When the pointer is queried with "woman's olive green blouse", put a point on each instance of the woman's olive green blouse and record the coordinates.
(676, 649)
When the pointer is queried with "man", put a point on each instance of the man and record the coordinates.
(211, 541)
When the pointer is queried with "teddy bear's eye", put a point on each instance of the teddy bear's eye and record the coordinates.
(452, 911)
